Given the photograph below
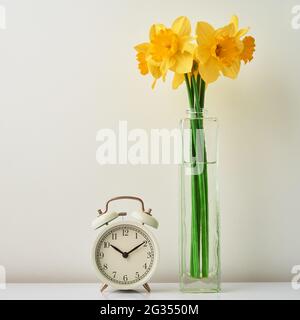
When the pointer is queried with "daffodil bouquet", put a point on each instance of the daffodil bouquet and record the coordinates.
(198, 61)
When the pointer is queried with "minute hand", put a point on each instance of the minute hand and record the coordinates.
(117, 249)
(135, 247)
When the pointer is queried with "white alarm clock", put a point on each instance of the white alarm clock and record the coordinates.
(125, 253)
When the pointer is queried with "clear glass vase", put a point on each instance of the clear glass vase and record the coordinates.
(199, 216)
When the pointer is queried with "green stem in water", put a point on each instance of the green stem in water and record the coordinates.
(195, 224)
(199, 91)
(204, 217)
(199, 185)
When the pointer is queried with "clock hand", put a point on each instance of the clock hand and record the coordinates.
(117, 249)
(124, 254)
(136, 247)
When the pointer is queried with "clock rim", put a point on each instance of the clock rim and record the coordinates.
(139, 283)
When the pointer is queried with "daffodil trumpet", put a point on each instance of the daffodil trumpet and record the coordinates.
(198, 61)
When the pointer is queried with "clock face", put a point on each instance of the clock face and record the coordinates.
(125, 255)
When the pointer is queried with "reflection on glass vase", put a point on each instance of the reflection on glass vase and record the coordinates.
(199, 216)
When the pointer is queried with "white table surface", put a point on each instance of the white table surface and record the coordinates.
(168, 291)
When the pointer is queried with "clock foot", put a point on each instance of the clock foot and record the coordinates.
(104, 287)
(146, 286)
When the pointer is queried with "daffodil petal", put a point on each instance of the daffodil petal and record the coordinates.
(182, 26)
(205, 32)
(154, 70)
(154, 83)
(164, 67)
(184, 63)
(189, 47)
(232, 71)
(155, 28)
(210, 70)
(227, 31)
(203, 53)
(242, 32)
(177, 80)
(235, 21)
(142, 47)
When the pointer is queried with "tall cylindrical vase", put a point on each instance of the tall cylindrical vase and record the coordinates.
(199, 216)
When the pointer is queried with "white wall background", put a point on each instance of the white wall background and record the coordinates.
(67, 69)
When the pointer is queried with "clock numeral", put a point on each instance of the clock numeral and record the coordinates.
(145, 266)
(125, 277)
(101, 255)
(114, 274)
(105, 266)
(149, 255)
(137, 275)
(136, 235)
(114, 236)
(125, 232)
(106, 244)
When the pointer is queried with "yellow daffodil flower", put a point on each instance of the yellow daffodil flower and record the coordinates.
(220, 51)
(171, 48)
(168, 49)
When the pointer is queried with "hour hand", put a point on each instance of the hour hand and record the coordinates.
(117, 249)
(124, 254)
